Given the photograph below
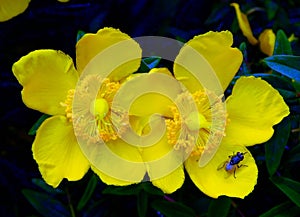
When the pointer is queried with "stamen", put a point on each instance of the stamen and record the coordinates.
(68, 104)
(95, 124)
(200, 129)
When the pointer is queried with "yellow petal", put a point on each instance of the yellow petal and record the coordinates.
(146, 94)
(12, 8)
(46, 77)
(171, 182)
(216, 48)
(161, 70)
(110, 180)
(63, 1)
(244, 24)
(164, 164)
(123, 58)
(57, 152)
(214, 180)
(253, 109)
(267, 41)
(116, 162)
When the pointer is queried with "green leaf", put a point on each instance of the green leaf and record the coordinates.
(244, 70)
(37, 124)
(80, 34)
(287, 65)
(294, 154)
(275, 146)
(277, 81)
(289, 187)
(142, 203)
(282, 44)
(282, 210)
(90, 188)
(150, 189)
(296, 85)
(286, 94)
(219, 207)
(45, 204)
(49, 189)
(282, 19)
(271, 8)
(149, 63)
(171, 209)
(122, 190)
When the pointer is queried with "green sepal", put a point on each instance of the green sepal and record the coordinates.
(37, 124)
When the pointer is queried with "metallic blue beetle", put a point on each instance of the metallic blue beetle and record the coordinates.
(233, 163)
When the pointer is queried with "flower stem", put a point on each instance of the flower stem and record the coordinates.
(70, 203)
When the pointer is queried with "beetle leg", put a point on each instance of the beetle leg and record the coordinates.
(234, 172)
(242, 165)
(220, 167)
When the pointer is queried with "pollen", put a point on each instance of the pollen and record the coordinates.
(68, 104)
(194, 131)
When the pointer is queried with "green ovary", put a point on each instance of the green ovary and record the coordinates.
(99, 108)
(196, 121)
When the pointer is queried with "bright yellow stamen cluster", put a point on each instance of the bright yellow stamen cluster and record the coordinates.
(95, 123)
(105, 127)
(191, 130)
(68, 104)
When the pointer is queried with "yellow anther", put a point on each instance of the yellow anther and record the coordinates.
(68, 104)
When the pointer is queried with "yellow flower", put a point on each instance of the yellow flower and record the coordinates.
(12, 8)
(244, 24)
(252, 110)
(266, 39)
(49, 78)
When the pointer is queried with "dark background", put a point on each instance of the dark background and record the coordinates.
(54, 25)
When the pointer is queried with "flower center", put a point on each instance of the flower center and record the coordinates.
(192, 129)
(99, 108)
(196, 121)
(94, 124)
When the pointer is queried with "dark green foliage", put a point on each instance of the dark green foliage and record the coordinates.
(219, 207)
(275, 146)
(49, 24)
